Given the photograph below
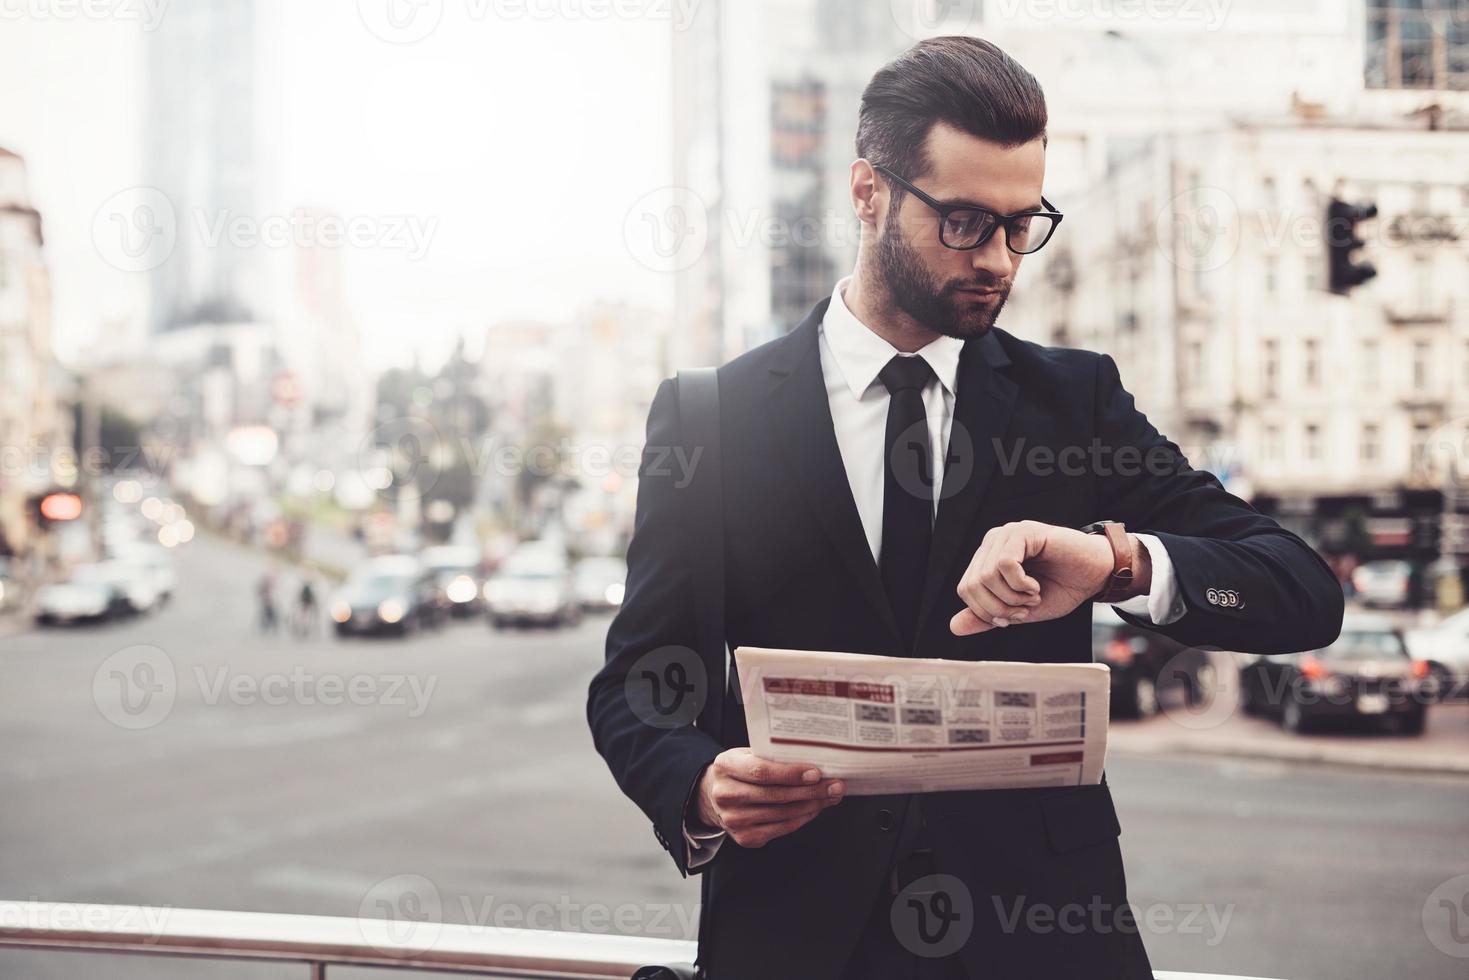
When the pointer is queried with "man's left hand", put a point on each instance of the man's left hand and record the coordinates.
(1029, 572)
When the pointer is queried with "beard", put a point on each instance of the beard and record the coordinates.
(940, 306)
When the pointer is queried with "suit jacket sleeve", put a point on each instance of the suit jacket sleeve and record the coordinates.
(655, 766)
(1246, 583)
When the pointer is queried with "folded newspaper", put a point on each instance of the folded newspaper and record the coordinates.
(900, 725)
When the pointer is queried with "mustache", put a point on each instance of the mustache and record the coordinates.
(1000, 284)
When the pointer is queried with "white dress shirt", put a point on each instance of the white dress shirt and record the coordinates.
(851, 358)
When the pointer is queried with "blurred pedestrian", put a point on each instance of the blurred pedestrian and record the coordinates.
(305, 619)
(265, 595)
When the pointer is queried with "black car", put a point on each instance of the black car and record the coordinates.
(1149, 670)
(388, 595)
(1367, 675)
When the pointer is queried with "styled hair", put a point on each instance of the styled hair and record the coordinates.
(966, 82)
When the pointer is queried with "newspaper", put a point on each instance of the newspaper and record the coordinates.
(901, 725)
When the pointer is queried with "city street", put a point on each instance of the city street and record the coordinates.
(268, 773)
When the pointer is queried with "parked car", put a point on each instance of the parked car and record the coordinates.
(1365, 676)
(89, 594)
(388, 594)
(1445, 649)
(599, 582)
(457, 570)
(155, 564)
(1383, 584)
(1149, 670)
(532, 587)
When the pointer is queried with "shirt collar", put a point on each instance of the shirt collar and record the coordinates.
(861, 354)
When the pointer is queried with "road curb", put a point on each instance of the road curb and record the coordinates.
(1288, 752)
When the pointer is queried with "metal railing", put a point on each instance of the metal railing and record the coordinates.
(318, 941)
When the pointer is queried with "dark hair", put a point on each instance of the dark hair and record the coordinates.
(966, 82)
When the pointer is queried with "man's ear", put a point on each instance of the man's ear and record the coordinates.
(869, 195)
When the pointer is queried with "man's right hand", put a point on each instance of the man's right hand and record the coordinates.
(755, 800)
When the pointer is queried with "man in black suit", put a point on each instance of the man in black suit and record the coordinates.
(902, 478)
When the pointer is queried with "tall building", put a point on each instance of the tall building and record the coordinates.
(35, 424)
(201, 151)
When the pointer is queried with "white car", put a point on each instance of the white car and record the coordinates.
(154, 564)
(138, 586)
(1445, 648)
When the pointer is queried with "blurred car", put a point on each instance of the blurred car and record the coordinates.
(1445, 649)
(599, 582)
(153, 563)
(1148, 669)
(90, 593)
(9, 585)
(388, 594)
(1383, 584)
(457, 569)
(1365, 676)
(532, 587)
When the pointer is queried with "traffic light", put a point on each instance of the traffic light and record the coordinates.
(1342, 240)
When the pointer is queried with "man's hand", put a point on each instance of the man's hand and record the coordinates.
(755, 800)
(1029, 572)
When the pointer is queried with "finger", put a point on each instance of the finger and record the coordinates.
(1015, 576)
(741, 793)
(993, 579)
(984, 604)
(965, 623)
(749, 817)
(753, 769)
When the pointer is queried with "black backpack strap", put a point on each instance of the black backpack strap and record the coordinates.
(698, 411)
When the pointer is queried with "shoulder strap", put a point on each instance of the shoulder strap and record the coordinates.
(698, 410)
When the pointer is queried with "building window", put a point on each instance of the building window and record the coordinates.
(1271, 443)
(1423, 44)
(1313, 442)
(1272, 273)
(1194, 366)
(1422, 353)
(1312, 363)
(1370, 442)
(1371, 363)
(1270, 368)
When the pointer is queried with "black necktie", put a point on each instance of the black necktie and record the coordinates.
(907, 491)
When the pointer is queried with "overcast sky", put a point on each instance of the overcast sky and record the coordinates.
(520, 141)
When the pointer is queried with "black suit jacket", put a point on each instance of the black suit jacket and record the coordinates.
(799, 575)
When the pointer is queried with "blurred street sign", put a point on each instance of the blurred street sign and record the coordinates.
(285, 388)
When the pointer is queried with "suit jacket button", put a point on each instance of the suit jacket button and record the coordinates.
(886, 821)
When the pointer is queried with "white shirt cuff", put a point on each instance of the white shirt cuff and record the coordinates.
(1162, 605)
(702, 846)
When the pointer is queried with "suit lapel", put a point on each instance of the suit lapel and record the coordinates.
(801, 425)
(985, 401)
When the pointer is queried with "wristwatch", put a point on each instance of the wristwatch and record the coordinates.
(1119, 583)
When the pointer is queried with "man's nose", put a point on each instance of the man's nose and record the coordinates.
(994, 257)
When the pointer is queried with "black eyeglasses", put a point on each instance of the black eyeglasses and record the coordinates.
(965, 226)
